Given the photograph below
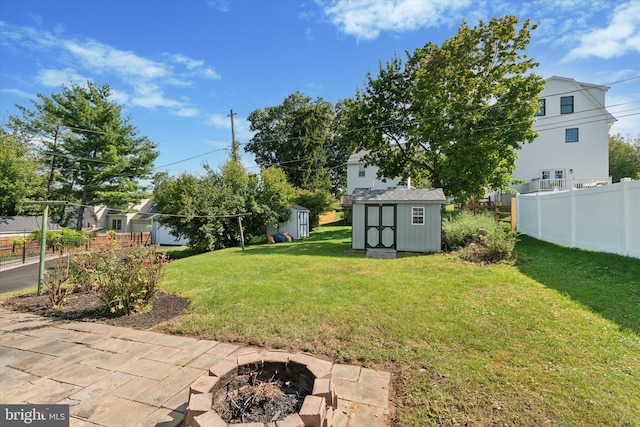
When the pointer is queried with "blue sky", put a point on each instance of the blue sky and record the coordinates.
(179, 67)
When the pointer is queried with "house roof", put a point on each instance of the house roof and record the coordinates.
(399, 195)
(21, 224)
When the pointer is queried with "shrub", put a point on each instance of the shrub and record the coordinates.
(55, 283)
(124, 279)
(462, 229)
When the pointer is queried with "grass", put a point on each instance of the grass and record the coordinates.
(550, 340)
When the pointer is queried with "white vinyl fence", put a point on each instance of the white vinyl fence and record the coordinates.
(605, 219)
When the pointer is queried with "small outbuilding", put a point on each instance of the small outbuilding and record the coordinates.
(397, 220)
(297, 226)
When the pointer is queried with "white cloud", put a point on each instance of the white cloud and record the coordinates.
(57, 78)
(140, 81)
(104, 58)
(620, 37)
(365, 19)
(187, 112)
(18, 92)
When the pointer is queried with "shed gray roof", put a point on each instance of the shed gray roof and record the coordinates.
(20, 224)
(400, 195)
(299, 208)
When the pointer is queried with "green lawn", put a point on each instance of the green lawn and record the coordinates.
(552, 340)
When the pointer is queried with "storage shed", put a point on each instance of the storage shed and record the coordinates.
(397, 220)
(297, 226)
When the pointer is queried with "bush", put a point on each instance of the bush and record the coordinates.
(495, 243)
(55, 281)
(124, 279)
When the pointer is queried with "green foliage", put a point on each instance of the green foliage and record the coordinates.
(275, 194)
(19, 178)
(453, 114)
(299, 136)
(204, 209)
(495, 243)
(92, 154)
(624, 157)
(65, 238)
(318, 202)
(124, 279)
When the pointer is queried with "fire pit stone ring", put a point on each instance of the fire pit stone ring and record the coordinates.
(304, 369)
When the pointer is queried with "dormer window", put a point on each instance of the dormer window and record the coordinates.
(566, 104)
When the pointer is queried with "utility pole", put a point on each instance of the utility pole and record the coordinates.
(234, 144)
(43, 238)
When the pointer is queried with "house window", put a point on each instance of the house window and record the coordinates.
(417, 216)
(361, 170)
(116, 224)
(553, 174)
(543, 108)
(566, 104)
(571, 135)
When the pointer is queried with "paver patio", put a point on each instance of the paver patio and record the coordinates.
(114, 376)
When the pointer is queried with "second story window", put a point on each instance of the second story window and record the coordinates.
(566, 104)
(543, 108)
(361, 170)
(571, 135)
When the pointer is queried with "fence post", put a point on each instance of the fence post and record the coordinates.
(626, 220)
(573, 214)
(24, 251)
(538, 216)
(514, 213)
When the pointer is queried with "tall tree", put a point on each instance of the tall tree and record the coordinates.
(96, 155)
(19, 177)
(624, 157)
(452, 114)
(299, 137)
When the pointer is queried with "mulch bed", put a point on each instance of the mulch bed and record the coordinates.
(86, 307)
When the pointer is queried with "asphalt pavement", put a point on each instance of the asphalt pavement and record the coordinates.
(19, 277)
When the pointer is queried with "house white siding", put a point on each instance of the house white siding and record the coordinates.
(361, 176)
(588, 157)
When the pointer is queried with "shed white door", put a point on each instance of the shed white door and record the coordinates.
(380, 226)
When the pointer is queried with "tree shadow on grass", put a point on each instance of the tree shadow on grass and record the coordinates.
(607, 284)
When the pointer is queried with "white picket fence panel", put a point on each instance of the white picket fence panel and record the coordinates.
(604, 219)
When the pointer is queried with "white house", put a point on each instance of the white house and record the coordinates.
(140, 218)
(361, 176)
(572, 149)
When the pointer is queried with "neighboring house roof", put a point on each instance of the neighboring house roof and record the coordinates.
(20, 224)
(357, 158)
(299, 208)
(400, 194)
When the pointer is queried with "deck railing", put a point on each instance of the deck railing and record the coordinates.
(538, 185)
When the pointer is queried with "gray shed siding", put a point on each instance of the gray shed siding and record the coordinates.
(419, 238)
(409, 238)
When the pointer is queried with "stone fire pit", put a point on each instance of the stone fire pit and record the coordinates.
(305, 370)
